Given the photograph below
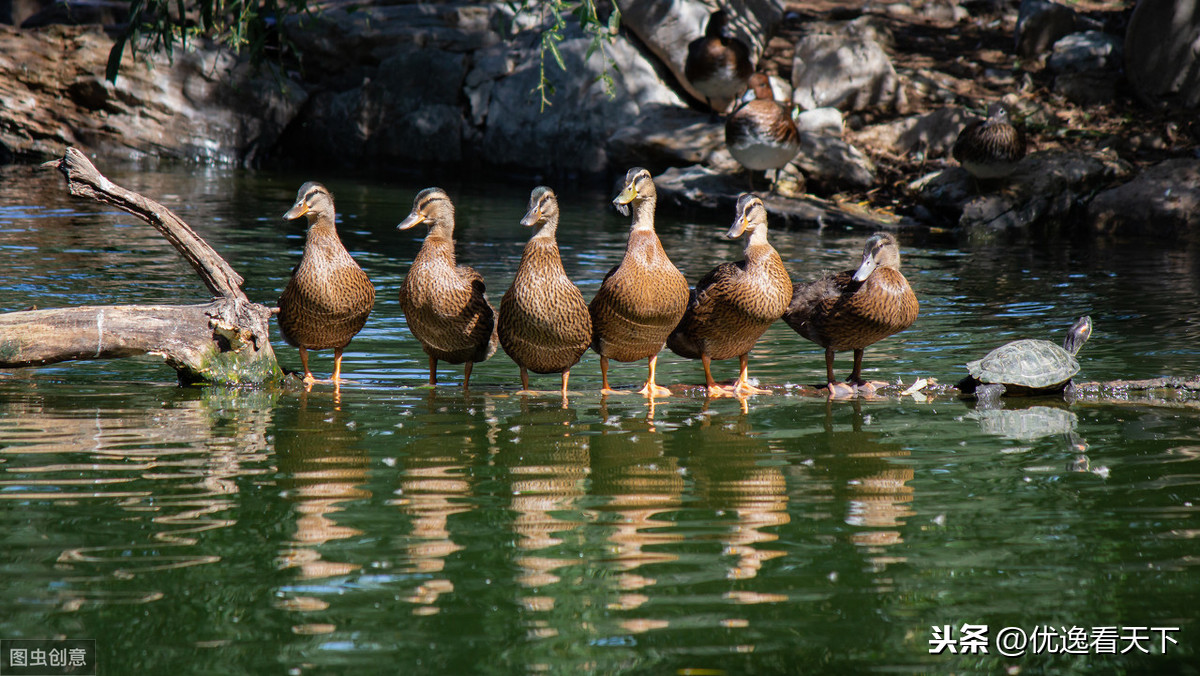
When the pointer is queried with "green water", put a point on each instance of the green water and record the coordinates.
(387, 528)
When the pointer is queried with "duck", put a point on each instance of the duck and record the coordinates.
(760, 133)
(642, 299)
(992, 147)
(445, 304)
(544, 323)
(718, 65)
(328, 298)
(735, 303)
(855, 309)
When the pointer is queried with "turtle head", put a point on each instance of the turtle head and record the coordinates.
(1078, 335)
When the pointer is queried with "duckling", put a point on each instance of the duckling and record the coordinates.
(328, 299)
(641, 300)
(718, 65)
(544, 323)
(761, 133)
(734, 304)
(445, 304)
(854, 309)
(990, 148)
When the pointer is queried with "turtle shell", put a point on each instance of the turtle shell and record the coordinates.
(1032, 364)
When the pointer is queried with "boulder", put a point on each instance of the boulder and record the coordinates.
(1046, 188)
(831, 165)
(827, 121)
(667, 26)
(203, 104)
(1085, 51)
(929, 136)
(571, 134)
(667, 136)
(1161, 58)
(847, 69)
(1162, 202)
(1040, 23)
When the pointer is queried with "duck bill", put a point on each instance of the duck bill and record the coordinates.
(738, 227)
(412, 220)
(865, 269)
(298, 209)
(532, 217)
(621, 202)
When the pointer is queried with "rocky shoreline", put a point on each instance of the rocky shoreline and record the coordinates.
(452, 85)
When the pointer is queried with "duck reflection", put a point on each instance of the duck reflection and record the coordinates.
(321, 465)
(730, 477)
(874, 488)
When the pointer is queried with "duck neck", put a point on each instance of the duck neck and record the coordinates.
(643, 214)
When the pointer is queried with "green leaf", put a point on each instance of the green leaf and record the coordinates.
(557, 55)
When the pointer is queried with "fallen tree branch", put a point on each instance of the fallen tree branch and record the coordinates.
(224, 341)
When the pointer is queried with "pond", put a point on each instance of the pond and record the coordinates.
(389, 528)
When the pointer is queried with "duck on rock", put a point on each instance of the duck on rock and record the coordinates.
(735, 303)
(990, 148)
(328, 298)
(642, 299)
(445, 304)
(760, 133)
(718, 65)
(854, 309)
(544, 322)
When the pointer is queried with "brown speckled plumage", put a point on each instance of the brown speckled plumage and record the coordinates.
(718, 65)
(544, 322)
(641, 300)
(445, 304)
(990, 148)
(735, 303)
(839, 313)
(760, 133)
(327, 300)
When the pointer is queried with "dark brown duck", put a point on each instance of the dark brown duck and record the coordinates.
(642, 299)
(990, 148)
(735, 303)
(717, 64)
(327, 300)
(854, 309)
(544, 322)
(445, 304)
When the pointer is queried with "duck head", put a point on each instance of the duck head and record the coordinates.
(313, 201)
(638, 191)
(751, 218)
(881, 250)
(542, 215)
(433, 207)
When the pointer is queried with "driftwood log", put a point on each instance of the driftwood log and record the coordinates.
(225, 341)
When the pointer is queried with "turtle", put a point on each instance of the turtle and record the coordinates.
(1027, 367)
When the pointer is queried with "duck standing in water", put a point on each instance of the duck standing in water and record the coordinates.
(328, 299)
(760, 133)
(444, 303)
(641, 300)
(718, 65)
(734, 304)
(544, 322)
(854, 309)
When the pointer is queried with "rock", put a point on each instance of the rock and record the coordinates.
(1086, 51)
(1040, 23)
(385, 118)
(667, 136)
(827, 121)
(930, 136)
(847, 70)
(667, 26)
(832, 165)
(571, 134)
(1161, 59)
(1046, 187)
(706, 188)
(1161, 202)
(203, 104)
(1091, 88)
